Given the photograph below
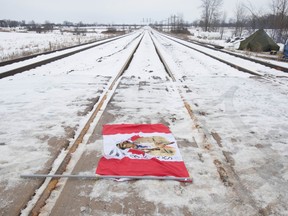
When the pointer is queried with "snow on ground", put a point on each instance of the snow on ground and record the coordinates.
(252, 66)
(215, 37)
(39, 58)
(146, 95)
(232, 43)
(42, 103)
(248, 113)
(15, 44)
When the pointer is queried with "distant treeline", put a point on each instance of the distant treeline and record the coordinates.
(32, 24)
(77, 28)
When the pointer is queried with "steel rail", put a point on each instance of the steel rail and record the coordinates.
(97, 177)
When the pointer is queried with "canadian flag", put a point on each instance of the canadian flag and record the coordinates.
(140, 150)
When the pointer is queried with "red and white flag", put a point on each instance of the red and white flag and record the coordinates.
(140, 150)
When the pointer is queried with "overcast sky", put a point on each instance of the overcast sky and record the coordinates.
(109, 11)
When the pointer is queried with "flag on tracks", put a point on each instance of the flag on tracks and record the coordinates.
(140, 150)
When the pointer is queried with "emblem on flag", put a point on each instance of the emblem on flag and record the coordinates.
(140, 150)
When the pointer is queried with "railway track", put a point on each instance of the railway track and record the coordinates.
(127, 44)
(246, 65)
(41, 198)
(220, 158)
(8, 62)
(227, 55)
(265, 63)
(46, 58)
(229, 173)
(203, 144)
(52, 184)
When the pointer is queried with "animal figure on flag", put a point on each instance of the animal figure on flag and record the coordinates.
(155, 145)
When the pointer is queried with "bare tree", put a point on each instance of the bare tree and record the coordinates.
(280, 14)
(257, 16)
(210, 13)
(48, 26)
(222, 27)
(241, 16)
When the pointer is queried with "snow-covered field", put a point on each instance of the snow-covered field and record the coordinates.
(14, 44)
(248, 113)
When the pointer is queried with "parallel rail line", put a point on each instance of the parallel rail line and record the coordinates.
(63, 165)
(51, 59)
(4, 63)
(224, 169)
(267, 64)
(217, 58)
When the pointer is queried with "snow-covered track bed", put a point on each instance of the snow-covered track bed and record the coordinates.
(59, 101)
(231, 137)
(245, 114)
(16, 66)
(240, 62)
(8, 62)
(278, 64)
